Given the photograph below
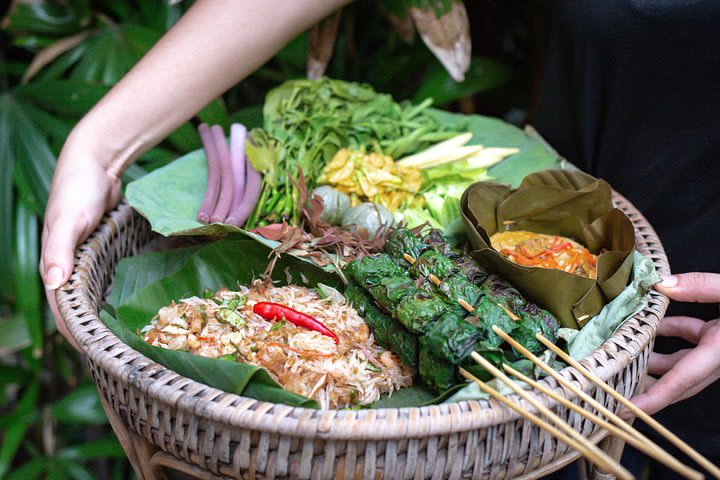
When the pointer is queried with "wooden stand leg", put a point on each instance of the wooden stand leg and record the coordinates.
(138, 450)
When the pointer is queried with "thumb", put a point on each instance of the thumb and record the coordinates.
(63, 235)
(692, 287)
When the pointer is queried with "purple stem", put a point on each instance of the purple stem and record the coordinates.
(213, 178)
(222, 207)
(238, 134)
(253, 182)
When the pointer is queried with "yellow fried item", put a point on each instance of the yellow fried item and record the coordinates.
(373, 177)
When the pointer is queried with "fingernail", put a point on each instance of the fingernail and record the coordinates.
(669, 282)
(54, 277)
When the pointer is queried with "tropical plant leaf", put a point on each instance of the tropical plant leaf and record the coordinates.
(251, 117)
(28, 294)
(80, 407)
(69, 97)
(49, 18)
(484, 74)
(30, 470)
(7, 198)
(103, 448)
(14, 334)
(14, 433)
(215, 113)
(30, 155)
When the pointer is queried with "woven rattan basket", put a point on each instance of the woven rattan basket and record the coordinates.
(228, 435)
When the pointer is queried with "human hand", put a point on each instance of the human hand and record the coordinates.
(685, 372)
(82, 191)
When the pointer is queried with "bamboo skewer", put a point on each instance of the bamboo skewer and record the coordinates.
(671, 437)
(648, 448)
(626, 427)
(625, 431)
(582, 448)
(601, 459)
(578, 392)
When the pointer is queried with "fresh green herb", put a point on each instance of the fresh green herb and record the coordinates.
(207, 294)
(217, 301)
(278, 325)
(231, 317)
(308, 121)
(236, 302)
(230, 357)
(202, 312)
(254, 349)
(373, 368)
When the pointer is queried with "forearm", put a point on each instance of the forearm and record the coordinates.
(214, 45)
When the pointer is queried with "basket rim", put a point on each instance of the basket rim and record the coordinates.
(139, 372)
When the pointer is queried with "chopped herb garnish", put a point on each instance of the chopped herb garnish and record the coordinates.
(254, 349)
(231, 317)
(207, 294)
(278, 325)
(236, 302)
(373, 368)
(230, 356)
(217, 301)
(202, 312)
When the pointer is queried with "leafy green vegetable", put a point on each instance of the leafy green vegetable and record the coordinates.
(170, 197)
(308, 121)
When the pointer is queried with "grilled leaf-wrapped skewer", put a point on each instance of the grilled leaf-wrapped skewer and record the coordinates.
(534, 319)
(436, 372)
(388, 332)
(452, 338)
(414, 307)
(401, 242)
(431, 262)
(370, 270)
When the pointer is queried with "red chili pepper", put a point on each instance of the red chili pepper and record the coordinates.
(276, 312)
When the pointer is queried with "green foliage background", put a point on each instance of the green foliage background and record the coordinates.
(51, 422)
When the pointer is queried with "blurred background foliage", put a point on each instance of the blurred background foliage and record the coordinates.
(57, 59)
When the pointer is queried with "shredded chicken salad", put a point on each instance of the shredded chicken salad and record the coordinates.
(355, 371)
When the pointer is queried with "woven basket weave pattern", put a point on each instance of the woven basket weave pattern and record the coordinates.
(239, 437)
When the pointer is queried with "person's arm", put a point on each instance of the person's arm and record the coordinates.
(213, 46)
(687, 372)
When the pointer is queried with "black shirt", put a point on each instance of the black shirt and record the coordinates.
(632, 95)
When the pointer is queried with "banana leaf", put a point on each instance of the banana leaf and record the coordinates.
(563, 202)
(147, 282)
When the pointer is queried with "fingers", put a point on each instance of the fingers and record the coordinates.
(687, 328)
(660, 364)
(62, 328)
(64, 233)
(693, 372)
(691, 287)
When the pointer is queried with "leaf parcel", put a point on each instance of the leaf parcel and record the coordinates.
(557, 202)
